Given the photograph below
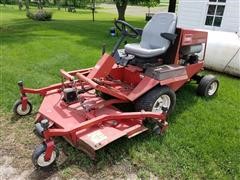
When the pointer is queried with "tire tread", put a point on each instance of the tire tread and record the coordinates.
(146, 101)
(204, 83)
(17, 103)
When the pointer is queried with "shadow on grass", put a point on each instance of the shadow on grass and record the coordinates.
(71, 157)
(115, 152)
(91, 34)
(14, 118)
(42, 174)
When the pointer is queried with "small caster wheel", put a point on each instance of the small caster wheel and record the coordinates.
(17, 108)
(38, 157)
(157, 130)
(160, 128)
(208, 86)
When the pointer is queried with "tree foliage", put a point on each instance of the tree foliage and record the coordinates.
(122, 5)
(147, 3)
(49, 3)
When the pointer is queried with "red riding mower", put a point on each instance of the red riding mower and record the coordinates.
(84, 108)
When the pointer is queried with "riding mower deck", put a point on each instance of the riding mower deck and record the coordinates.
(84, 108)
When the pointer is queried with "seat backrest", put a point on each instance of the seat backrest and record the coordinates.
(160, 23)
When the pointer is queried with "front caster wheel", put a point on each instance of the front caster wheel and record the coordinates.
(38, 157)
(160, 128)
(208, 86)
(17, 108)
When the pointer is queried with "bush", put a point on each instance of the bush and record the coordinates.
(40, 15)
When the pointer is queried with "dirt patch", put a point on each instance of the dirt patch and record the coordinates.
(9, 172)
(17, 142)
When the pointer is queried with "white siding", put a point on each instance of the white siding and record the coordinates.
(231, 16)
(192, 14)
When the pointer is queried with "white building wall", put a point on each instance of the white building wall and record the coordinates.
(231, 16)
(192, 14)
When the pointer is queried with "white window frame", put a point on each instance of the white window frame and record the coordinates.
(214, 15)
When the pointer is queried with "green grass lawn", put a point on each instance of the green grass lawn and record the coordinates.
(203, 140)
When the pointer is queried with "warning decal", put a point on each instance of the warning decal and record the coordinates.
(97, 136)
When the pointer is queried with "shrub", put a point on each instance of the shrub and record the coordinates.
(40, 15)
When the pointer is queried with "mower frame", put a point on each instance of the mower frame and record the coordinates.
(126, 85)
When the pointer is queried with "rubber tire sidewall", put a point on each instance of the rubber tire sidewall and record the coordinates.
(147, 101)
(204, 85)
(38, 151)
(17, 103)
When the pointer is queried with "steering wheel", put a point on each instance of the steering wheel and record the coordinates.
(126, 29)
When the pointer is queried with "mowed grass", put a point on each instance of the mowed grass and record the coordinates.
(203, 139)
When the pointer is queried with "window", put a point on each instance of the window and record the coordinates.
(217, 1)
(215, 12)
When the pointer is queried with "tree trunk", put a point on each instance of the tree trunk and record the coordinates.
(121, 7)
(74, 3)
(65, 4)
(58, 4)
(27, 4)
(172, 6)
(20, 5)
(40, 4)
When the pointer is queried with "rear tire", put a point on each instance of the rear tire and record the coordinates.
(208, 86)
(155, 99)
